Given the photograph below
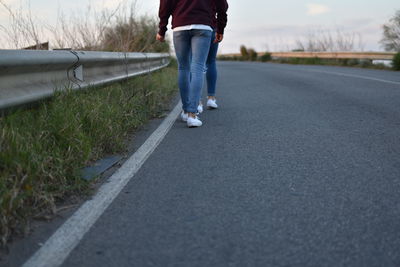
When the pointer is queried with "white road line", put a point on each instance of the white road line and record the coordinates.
(355, 76)
(54, 252)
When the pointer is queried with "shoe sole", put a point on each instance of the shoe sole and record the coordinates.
(193, 126)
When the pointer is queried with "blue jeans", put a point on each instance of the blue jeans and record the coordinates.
(191, 48)
(212, 67)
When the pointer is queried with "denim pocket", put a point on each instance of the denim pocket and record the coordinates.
(178, 33)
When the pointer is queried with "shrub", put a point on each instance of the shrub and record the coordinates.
(133, 35)
(294, 60)
(366, 63)
(244, 52)
(391, 33)
(380, 66)
(223, 58)
(350, 62)
(252, 54)
(313, 61)
(303, 61)
(266, 57)
(396, 61)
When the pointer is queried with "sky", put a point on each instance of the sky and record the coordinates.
(259, 24)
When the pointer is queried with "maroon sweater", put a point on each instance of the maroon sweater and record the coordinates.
(187, 12)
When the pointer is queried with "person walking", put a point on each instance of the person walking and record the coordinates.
(212, 75)
(192, 24)
(211, 72)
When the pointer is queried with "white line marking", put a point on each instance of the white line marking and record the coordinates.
(354, 76)
(54, 252)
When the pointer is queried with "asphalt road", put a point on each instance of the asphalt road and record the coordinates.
(299, 167)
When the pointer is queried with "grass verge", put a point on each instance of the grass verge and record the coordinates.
(314, 61)
(43, 150)
(334, 62)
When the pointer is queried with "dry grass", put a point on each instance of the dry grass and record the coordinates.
(92, 28)
(42, 151)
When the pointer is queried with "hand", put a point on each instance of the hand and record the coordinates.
(160, 38)
(218, 38)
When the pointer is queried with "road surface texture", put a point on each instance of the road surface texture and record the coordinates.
(299, 167)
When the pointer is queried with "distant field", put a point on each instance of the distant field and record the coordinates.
(328, 55)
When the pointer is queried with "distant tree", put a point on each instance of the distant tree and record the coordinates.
(266, 57)
(326, 40)
(391, 33)
(252, 54)
(396, 61)
(244, 52)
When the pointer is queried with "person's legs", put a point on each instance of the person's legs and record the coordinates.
(212, 73)
(182, 44)
(200, 44)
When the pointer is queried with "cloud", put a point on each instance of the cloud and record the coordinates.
(283, 37)
(316, 9)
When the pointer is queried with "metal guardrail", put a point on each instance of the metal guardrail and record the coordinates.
(29, 76)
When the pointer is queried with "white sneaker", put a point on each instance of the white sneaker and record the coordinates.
(200, 108)
(184, 116)
(212, 103)
(194, 122)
